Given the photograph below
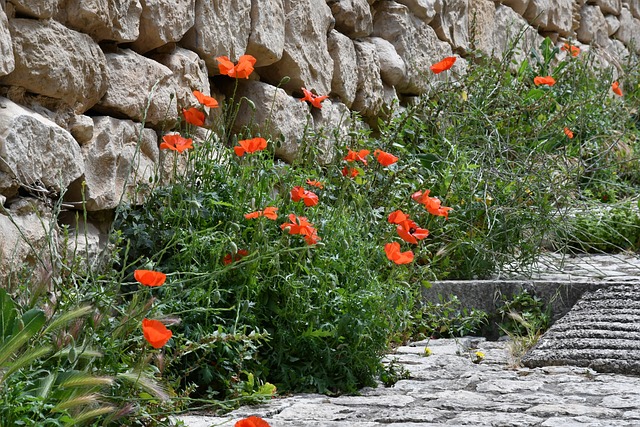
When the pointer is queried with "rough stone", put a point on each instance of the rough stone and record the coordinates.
(88, 242)
(425, 10)
(136, 82)
(305, 58)
(482, 24)
(117, 161)
(452, 23)
(343, 54)
(7, 63)
(415, 42)
(613, 24)
(518, 6)
(392, 68)
(370, 92)
(41, 9)
(593, 26)
(629, 32)
(633, 6)
(189, 74)
(508, 25)
(162, 22)
(266, 41)
(332, 124)
(609, 6)
(116, 20)
(353, 17)
(57, 62)
(35, 153)
(81, 128)
(551, 15)
(276, 116)
(222, 28)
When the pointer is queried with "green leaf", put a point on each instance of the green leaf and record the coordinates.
(7, 315)
(33, 322)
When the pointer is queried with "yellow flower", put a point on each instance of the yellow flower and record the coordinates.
(427, 352)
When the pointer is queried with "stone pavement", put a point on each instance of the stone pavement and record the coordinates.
(449, 388)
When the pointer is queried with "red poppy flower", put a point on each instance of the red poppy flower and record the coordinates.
(548, 81)
(410, 232)
(155, 333)
(443, 65)
(229, 258)
(252, 421)
(242, 70)
(268, 212)
(205, 100)
(301, 225)
(150, 277)
(350, 172)
(308, 197)
(361, 156)
(573, 50)
(315, 183)
(176, 142)
(568, 132)
(431, 204)
(615, 87)
(384, 158)
(250, 146)
(393, 253)
(193, 116)
(314, 99)
(396, 217)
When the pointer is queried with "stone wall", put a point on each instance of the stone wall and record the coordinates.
(79, 77)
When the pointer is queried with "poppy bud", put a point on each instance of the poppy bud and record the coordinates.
(234, 248)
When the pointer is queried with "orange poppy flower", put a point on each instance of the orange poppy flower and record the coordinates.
(361, 156)
(548, 81)
(308, 197)
(350, 172)
(393, 253)
(396, 217)
(149, 277)
(443, 65)
(568, 132)
(205, 100)
(193, 116)
(252, 421)
(176, 142)
(250, 146)
(229, 258)
(384, 158)
(301, 225)
(314, 99)
(410, 232)
(242, 70)
(268, 212)
(155, 333)
(615, 87)
(571, 49)
(431, 204)
(315, 183)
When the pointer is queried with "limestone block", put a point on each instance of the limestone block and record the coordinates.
(7, 63)
(426, 10)
(305, 58)
(41, 9)
(392, 68)
(117, 20)
(135, 82)
(35, 152)
(629, 32)
(593, 26)
(482, 24)
(608, 6)
(24, 228)
(162, 22)
(345, 81)
(369, 93)
(415, 42)
(277, 116)
(266, 41)
(518, 6)
(353, 17)
(57, 62)
(332, 124)
(633, 6)
(508, 24)
(189, 74)
(551, 15)
(613, 24)
(81, 128)
(222, 27)
(88, 241)
(452, 23)
(115, 165)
